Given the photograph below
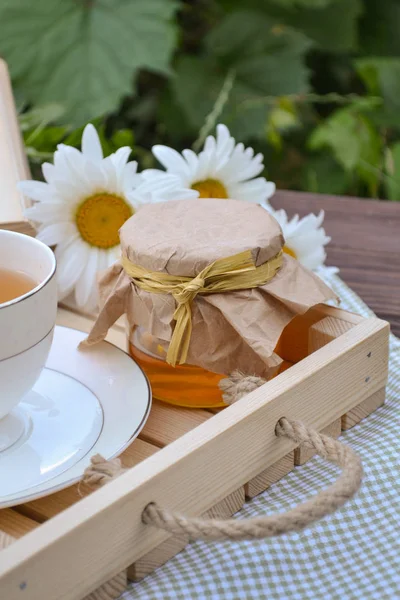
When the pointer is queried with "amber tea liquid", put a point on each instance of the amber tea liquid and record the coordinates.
(14, 284)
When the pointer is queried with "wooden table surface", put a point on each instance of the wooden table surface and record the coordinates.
(365, 245)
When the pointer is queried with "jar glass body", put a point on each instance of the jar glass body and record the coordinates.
(183, 385)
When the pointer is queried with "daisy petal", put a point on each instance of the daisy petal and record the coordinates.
(78, 166)
(110, 174)
(86, 286)
(192, 160)
(91, 146)
(56, 233)
(172, 160)
(48, 171)
(120, 157)
(36, 190)
(69, 191)
(131, 178)
(62, 169)
(102, 261)
(95, 177)
(224, 147)
(205, 166)
(256, 190)
(314, 259)
(48, 212)
(119, 160)
(71, 259)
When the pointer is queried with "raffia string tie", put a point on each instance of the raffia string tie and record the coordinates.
(236, 272)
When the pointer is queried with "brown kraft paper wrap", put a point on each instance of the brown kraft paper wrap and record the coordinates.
(231, 330)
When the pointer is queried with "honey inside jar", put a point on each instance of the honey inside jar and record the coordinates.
(183, 385)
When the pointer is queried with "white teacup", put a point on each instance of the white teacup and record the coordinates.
(26, 327)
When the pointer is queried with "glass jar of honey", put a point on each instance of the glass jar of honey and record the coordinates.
(207, 291)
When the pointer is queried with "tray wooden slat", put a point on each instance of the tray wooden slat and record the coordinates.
(272, 474)
(167, 423)
(15, 524)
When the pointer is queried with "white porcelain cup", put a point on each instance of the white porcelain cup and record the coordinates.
(26, 327)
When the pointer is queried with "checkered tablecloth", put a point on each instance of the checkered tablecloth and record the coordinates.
(353, 554)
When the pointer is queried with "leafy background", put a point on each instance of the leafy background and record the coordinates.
(313, 84)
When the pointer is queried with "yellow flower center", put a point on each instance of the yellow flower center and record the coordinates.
(99, 218)
(289, 251)
(210, 188)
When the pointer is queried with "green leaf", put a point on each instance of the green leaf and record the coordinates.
(40, 116)
(379, 28)
(122, 137)
(392, 168)
(172, 120)
(284, 115)
(46, 140)
(267, 62)
(282, 118)
(337, 133)
(355, 144)
(323, 175)
(84, 54)
(303, 3)
(382, 76)
(333, 27)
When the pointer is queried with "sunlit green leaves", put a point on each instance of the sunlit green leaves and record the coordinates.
(355, 144)
(303, 3)
(333, 27)
(381, 76)
(379, 28)
(322, 174)
(282, 118)
(267, 61)
(84, 55)
(392, 170)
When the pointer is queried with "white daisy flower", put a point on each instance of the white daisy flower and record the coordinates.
(223, 169)
(80, 208)
(304, 238)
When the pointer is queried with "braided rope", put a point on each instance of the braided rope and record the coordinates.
(238, 385)
(296, 519)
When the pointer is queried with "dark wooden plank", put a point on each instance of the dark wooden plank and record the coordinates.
(365, 245)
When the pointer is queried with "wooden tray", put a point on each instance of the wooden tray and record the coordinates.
(195, 461)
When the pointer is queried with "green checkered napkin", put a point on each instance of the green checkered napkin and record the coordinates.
(353, 554)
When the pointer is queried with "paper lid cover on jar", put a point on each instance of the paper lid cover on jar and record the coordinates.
(208, 278)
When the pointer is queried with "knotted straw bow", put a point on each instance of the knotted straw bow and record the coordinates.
(236, 272)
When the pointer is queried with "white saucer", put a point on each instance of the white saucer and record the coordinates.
(86, 402)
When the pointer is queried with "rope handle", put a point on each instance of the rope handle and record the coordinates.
(295, 519)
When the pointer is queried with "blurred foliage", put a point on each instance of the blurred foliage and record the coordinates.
(313, 84)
